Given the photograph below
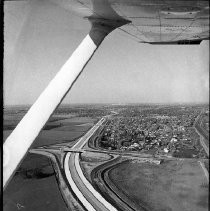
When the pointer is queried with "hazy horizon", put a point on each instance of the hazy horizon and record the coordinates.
(40, 36)
(69, 104)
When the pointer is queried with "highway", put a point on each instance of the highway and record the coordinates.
(70, 174)
(204, 170)
(88, 196)
(204, 139)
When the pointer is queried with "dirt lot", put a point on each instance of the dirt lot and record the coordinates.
(94, 157)
(170, 186)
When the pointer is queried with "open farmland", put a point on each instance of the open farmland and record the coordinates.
(59, 129)
(34, 187)
(173, 185)
(76, 124)
(48, 137)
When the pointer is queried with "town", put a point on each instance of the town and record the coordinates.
(156, 130)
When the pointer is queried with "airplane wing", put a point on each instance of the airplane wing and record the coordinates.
(151, 21)
(147, 21)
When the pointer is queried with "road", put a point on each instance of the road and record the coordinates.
(204, 139)
(89, 198)
(204, 170)
(83, 189)
(85, 192)
(70, 172)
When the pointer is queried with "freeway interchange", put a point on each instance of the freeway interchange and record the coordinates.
(85, 192)
(77, 191)
(70, 172)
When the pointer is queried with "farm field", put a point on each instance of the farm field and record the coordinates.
(57, 130)
(173, 185)
(48, 137)
(34, 187)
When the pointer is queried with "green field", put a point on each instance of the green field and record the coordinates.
(171, 186)
(59, 129)
(49, 137)
(34, 187)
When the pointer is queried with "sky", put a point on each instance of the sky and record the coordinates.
(40, 36)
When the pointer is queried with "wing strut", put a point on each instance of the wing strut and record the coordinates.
(22, 137)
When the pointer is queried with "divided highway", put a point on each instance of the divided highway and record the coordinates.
(88, 196)
(204, 139)
(73, 176)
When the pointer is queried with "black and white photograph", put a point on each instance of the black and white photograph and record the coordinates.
(105, 105)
